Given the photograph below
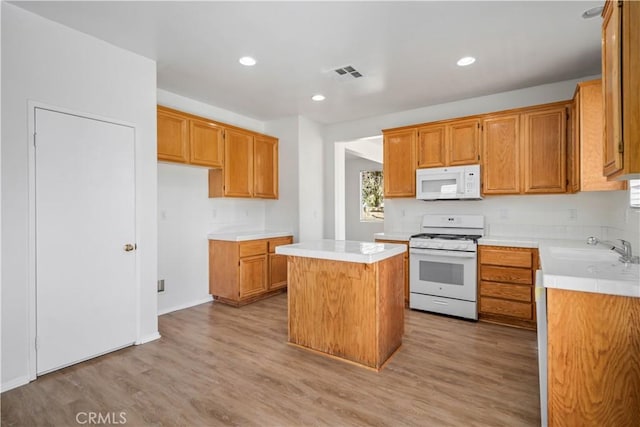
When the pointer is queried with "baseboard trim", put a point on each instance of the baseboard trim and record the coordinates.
(209, 298)
(148, 338)
(15, 383)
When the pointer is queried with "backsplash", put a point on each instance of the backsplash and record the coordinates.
(572, 216)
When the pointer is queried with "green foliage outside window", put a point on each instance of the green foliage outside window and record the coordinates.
(371, 196)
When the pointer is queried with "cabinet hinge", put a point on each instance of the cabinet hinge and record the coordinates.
(620, 147)
(619, 3)
(478, 125)
(478, 156)
(36, 343)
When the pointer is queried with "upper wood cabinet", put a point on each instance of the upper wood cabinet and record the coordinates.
(432, 146)
(184, 138)
(585, 155)
(206, 142)
(449, 144)
(621, 86)
(173, 136)
(250, 167)
(612, 90)
(501, 154)
(464, 142)
(399, 164)
(265, 167)
(238, 164)
(544, 154)
(525, 152)
(245, 163)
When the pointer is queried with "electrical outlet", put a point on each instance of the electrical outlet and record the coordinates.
(161, 285)
(504, 213)
(214, 213)
(573, 214)
(163, 214)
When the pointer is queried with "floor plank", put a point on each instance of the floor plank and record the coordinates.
(220, 365)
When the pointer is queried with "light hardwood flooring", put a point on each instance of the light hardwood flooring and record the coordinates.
(219, 365)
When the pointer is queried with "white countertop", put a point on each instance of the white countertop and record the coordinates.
(240, 236)
(394, 235)
(516, 242)
(343, 250)
(574, 265)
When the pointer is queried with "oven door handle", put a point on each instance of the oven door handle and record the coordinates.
(453, 254)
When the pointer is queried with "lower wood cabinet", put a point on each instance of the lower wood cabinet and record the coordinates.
(506, 285)
(593, 360)
(406, 266)
(244, 272)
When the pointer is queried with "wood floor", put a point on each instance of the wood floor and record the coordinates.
(219, 365)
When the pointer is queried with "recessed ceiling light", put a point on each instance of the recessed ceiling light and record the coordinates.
(318, 97)
(467, 60)
(593, 12)
(247, 60)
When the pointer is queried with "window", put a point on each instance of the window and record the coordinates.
(371, 196)
(634, 193)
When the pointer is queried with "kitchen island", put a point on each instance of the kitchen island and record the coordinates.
(346, 299)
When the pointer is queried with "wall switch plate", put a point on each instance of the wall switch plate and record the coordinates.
(161, 285)
(504, 213)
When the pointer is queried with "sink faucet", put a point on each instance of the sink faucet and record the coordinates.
(624, 249)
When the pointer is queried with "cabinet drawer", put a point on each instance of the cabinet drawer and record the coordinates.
(506, 257)
(506, 291)
(253, 247)
(274, 243)
(506, 274)
(521, 310)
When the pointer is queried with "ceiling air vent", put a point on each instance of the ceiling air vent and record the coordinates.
(348, 70)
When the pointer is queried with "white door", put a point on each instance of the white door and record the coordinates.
(85, 279)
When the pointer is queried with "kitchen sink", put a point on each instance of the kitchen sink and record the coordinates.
(583, 254)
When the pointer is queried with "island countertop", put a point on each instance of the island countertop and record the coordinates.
(241, 236)
(343, 250)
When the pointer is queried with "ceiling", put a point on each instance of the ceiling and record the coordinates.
(406, 51)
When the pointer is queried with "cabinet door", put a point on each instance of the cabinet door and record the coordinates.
(238, 163)
(431, 146)
(278, 271)
(573, 146)
(545, 150)
(589, 109)
(173, 136)
(265, 167)
(501, 154)
(611, 84)
(253, 276)
(464, 142)
(206, 142)
(399, 165)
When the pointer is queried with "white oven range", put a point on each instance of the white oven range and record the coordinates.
(443, 258)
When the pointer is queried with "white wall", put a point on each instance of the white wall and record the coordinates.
(311, 178)
(186, 215)
(354, 229)
(46, 62)
(349, 131)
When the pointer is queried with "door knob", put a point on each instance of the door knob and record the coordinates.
(129, 247)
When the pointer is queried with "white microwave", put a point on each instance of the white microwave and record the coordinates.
(451, 183)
